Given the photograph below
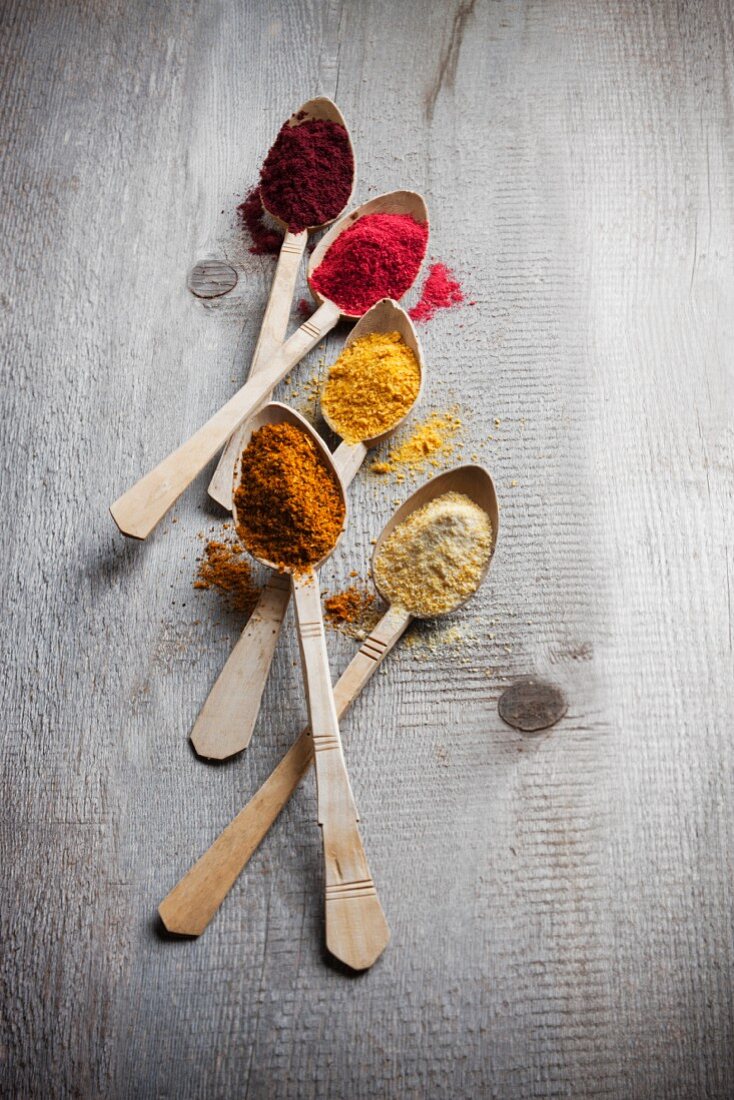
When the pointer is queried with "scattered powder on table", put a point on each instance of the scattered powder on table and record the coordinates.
(426, 639)
(379, 256)
(288, 504)
(434, 559)
(307, 176)
(226, 566)
(266, 240)
(441, 290)
(352, 611)
(305, 394)
(312, 393)
(371, 386)
(430, 445)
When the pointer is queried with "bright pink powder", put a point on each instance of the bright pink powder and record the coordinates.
(377, 257)
(440, 291)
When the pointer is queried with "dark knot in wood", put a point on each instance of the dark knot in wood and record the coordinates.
(531, 705)
(211, 279)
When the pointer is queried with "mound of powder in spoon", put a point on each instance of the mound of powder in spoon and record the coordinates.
(288, 505)
(377, 257)
(434, 559)
(307, 176)
(371, 386)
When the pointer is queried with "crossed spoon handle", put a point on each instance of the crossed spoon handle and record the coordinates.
(356, 929)
(272, 335)
(138, 510)
(194, 901)
(226, 721)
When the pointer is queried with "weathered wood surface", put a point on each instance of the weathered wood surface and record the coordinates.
(574, 890)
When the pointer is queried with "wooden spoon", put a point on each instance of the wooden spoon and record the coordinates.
(192, 903)
(226, 722)
(356, 929)
(275, 321)
(138, 510)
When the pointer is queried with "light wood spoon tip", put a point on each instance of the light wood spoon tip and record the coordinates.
(177, 927)
(208, 750)
(357, 932)
(130, 531)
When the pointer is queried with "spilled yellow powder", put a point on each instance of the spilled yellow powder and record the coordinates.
(432, 443)
(312, 387)
(305, 393)
(371, 386)
(426, 641)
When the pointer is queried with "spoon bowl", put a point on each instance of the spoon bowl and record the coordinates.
(394, 202)
(472, 481)
(385, 316)
(314, 109)
(276, 413)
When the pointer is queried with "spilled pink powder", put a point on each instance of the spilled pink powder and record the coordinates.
(440, 291)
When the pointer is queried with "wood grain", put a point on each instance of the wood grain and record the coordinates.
(576, 158)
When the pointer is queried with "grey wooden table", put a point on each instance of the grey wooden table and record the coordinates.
(561, 907)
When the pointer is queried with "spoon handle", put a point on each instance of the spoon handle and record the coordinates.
(272, 335)
(194, 901)
(356, 929)
(348, 459)
(226, 722)
(138, 510)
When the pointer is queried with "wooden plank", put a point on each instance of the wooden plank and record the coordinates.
(574, 889)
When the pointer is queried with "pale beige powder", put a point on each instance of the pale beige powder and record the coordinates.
(434, 560)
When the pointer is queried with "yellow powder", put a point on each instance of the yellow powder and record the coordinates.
(432, 442)
(372, 385)
(432, 637)
(310, 392)
(434, 560)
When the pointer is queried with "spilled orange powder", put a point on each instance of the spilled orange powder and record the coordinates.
(348, 606)
(352, 611)
(226, 566)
